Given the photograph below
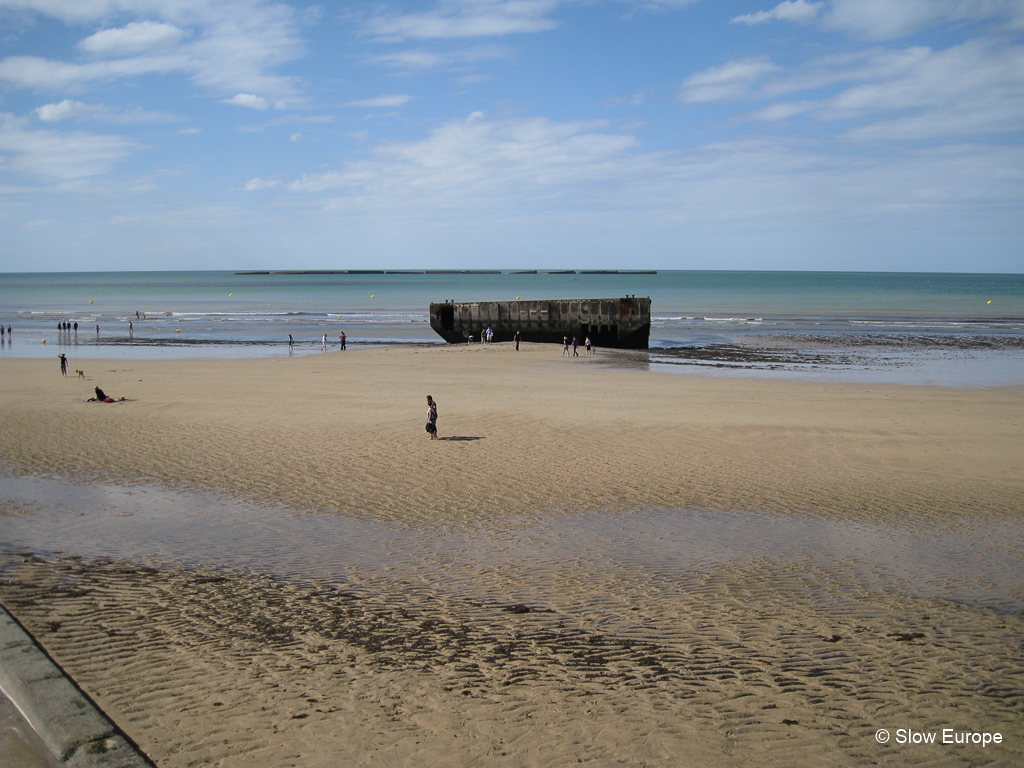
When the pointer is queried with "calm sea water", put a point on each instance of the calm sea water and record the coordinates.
(226, 314)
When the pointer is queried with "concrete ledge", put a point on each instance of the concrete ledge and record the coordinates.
(69, 722)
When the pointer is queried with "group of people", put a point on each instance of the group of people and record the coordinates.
(487, 337)
(576, 346)
(9, 334)
(64, 325)
(342, 338)
(100, 397)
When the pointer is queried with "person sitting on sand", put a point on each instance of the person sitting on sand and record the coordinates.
(103, 397)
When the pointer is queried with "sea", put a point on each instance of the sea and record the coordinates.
(923, 328)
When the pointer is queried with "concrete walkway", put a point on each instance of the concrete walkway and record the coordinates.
(69, 723)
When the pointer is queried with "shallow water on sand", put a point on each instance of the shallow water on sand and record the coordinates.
(528, 559)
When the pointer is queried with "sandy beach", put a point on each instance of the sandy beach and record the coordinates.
(574, 662)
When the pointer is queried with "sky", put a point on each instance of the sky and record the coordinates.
(517, 134)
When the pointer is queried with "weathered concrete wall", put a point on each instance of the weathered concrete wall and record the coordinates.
(624, 322)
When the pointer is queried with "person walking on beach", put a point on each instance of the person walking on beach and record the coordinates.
(131, 328)
(63, 365)
(565, 346)
(342, 337)
(291, 341)
(323, 343)
(516, 340)
(586, 344)
(575, 347)
(431, 418)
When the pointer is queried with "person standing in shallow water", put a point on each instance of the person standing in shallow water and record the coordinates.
(431, 418)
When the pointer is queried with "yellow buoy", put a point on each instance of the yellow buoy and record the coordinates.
(44, 341)
(177, 330)
(371, 295)
(990, 301)
(90, 301)
(231, 294)
(517, 298)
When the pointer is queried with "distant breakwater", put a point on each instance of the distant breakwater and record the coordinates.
(450, 272)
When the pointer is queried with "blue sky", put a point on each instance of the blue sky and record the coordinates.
(664, 134)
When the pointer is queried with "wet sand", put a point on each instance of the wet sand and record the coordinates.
(564, 660)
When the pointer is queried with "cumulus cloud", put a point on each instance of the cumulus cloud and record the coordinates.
(799, 11)
(464, 18)
(51, 113)
(229, 47)
(248, 100)
(136, 37)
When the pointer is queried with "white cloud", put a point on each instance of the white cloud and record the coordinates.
(633, 100)
(295, 137)
(479, 171)
(232, 46)
(891, 19)
(421, 59)
(729, 81)
(255, 185)
(136, 37)
(48, 155)
(799, 11)
(476, 159)
(465, 18)
(69, 108)
(968, 90)
(388, 100)
(37, 72)
(51, 113)
(248, 100)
